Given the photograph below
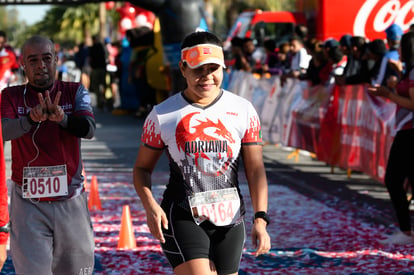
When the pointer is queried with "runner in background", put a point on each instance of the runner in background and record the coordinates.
(98, 59)
(204, 129)
(81, 61)
(8, 62)
(112, 80)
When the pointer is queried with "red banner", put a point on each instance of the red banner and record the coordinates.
(357, 131)
(330, 132)
(344, 125)
(367, 125)
(307, 116)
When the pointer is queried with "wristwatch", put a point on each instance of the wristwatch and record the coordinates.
(263, 215)
(5, 228)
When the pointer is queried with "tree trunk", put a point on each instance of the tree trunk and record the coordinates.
(102, 21)
(231, 13)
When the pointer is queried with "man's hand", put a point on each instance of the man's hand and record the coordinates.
(54, 111)
(39, 112)
(46, 110)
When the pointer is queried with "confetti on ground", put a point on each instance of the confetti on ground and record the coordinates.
(308, 237)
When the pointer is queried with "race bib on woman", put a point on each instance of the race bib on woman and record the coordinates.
(220, 207)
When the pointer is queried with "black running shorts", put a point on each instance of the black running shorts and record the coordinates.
(185, 240)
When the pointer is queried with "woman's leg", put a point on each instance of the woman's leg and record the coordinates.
(398, 169)
(202, 249)
(196, 267)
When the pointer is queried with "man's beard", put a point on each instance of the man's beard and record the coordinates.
(42, 82)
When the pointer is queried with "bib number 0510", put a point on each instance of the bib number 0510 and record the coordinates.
(48, 181)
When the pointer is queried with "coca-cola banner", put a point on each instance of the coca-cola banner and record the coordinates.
(367, 18)
(375, 16)
(345, 126)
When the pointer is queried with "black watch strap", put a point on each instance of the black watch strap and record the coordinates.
(263, 215)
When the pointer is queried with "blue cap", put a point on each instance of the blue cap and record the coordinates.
(330, 43)
(394, 32)
(345, 40)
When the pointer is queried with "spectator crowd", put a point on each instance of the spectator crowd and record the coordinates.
(348, 61)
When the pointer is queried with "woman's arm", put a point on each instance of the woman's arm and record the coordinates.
(405, 102)
(257, 181)
(144, 165)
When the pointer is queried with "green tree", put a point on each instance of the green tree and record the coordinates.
(3, 18)
(50, 24)
(9, 22)
(72, 24)
(80, 23)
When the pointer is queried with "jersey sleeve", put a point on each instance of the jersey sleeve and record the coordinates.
(7, 107)
(151, 132)
(83, 106)
(253, 134)
(83, 109)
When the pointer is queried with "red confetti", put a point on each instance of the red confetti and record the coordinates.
(308, 237)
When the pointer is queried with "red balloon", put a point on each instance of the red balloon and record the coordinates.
(109, 5)
(127, 10)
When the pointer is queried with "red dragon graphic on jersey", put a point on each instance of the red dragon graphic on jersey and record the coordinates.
(198, 133)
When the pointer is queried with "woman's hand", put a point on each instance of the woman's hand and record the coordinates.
(392, 82)
(260, 237)
(156, 218)
(378, 90)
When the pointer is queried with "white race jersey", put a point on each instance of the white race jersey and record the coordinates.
(202, 143)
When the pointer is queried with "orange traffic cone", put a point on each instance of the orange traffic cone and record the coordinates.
(126, 234)
(94, 199)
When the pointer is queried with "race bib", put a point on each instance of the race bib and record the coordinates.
(47, 181)
(220, 207)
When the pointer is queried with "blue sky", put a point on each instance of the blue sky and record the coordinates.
(31, 13)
